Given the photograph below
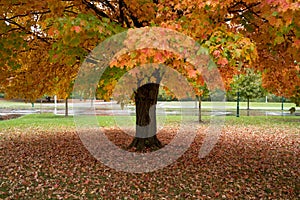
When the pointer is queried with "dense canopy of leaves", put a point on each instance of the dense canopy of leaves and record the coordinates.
(50, 39)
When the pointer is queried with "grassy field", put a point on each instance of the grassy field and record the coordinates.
(48, 121)
(6, 104)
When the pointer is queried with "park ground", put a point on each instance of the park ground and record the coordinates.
(256, 157)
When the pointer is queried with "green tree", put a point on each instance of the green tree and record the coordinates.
(249, 85)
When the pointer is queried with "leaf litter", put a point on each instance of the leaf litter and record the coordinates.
(247, 162)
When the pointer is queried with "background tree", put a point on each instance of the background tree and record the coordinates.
(201, 91)
(248, 84)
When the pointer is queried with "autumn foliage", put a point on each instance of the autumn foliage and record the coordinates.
(50, 39)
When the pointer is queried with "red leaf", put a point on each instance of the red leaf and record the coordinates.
(77, 29)
(222, 61)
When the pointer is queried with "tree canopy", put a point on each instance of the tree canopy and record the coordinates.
(43, 43)
(248, 85)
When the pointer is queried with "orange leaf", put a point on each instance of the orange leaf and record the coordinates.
(222, 61)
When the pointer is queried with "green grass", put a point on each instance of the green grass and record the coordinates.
(10, 104)
(49, 121)
(44, 121)
(54, 122)
(287, 121)
(5, 104)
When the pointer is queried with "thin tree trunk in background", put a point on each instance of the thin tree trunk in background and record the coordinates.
(92, 102)
(67, 108)
(41, 106)
(55, 104)
(146, 126)
(248, 103)
(199, 109)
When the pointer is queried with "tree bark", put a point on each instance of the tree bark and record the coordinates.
(92, 102)
(248, 103)
(199, 109)
(66, 108)
(146, 126)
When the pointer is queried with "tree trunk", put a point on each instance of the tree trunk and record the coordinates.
(199, 109)
(146, 127)
(92, 102)
(248, 103)
(67, 108)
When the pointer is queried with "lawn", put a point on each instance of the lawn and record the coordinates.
(42, 157)
(49, 121)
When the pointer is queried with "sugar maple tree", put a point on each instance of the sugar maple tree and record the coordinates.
(44, 42)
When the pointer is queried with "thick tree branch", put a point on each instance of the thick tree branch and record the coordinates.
(95, 9)
(122, 15)
(106, 2)
(70, 11)
(134, 19)
(244, 7)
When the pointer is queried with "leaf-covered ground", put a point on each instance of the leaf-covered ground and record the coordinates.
(248, 162)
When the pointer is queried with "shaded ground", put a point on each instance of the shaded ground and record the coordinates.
(9, 116)
(247, 163)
